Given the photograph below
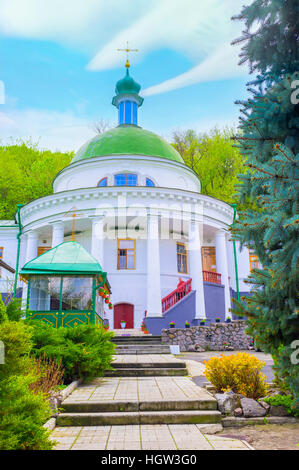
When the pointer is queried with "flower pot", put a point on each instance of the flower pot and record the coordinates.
(187, 326)
(123, 324)
(217, 320)
(228, 320)
(202, 323)
(106, 301)
(171, 326)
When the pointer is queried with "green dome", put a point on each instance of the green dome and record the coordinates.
(127, 140)
(127, 85)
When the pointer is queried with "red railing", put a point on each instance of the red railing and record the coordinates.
(183, 288)
(209, 276)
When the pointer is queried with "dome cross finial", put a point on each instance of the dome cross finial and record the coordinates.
(127, 50)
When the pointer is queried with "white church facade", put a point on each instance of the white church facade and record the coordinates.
(128, 198)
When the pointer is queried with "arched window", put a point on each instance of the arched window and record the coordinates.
(102, 182)
(149, 182)
(125, 179)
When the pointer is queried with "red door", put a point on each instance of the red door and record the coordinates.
(123, 312)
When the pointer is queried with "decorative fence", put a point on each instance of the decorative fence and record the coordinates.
(209, 276)
(175, 296)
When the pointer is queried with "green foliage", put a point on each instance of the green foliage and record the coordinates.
(26, 174)
(3, 312)
(22, 415)
(13, 310)
(269, 141)
(85, 351)
(22, 412)
(215, 160)
(283, 400)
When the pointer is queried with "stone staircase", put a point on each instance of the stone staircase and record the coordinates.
(141, 390)
(124, 413)
(141, 344)
(147, 369)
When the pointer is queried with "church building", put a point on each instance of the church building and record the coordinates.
(130, 201)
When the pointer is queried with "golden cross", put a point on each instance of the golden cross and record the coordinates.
(127, 50)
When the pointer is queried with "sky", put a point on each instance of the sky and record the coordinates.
(59, 64)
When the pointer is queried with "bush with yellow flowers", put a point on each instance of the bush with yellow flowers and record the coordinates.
(239, 372)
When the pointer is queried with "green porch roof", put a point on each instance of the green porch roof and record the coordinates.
(128, 140)
(66, 258)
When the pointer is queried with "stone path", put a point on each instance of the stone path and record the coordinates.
(145, 400)
(138, 388)
(143, 437)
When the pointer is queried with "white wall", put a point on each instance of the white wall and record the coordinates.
(8, 240)
(164, 173)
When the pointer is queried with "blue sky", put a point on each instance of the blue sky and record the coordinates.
(59, 65)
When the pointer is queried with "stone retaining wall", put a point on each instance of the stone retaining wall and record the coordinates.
(212, 337)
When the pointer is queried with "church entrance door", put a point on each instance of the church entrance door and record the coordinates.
(123, 312)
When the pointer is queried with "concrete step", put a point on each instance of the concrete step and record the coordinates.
(130, 406)
(148, 365)
(146, 372)
(139, 417)
(156, 350)
(143, 347)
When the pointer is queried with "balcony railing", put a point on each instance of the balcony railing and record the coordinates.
(183, 288)
(209, 276)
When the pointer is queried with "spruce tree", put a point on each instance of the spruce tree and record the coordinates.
(269, 140)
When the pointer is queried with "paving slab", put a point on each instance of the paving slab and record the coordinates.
(142, 437)
(140, 389)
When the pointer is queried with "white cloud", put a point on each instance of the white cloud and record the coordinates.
(53, 130)
(221, 64)
(201, 30)
(72, 22)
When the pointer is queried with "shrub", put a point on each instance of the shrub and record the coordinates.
(239, 372)
(85, 351)
(50, 375)
(283, 400)
(22, 412)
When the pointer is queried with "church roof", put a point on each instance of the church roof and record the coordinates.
(66, 258)
(128, 140)
(127, 85)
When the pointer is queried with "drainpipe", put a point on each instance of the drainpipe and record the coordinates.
(18, 249)
(234, 206)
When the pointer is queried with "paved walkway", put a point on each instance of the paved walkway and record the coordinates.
(144, 436)
(138, 388)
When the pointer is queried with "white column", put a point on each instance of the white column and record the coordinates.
(222, 268)
(31, 247)
(97, 240)
(57, 234)
(195, 269)
(154, 305)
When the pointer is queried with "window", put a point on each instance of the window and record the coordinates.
(253, 261)
(182, 258)
(44, 293)
(126, 254)
(42, 249)
(53, 293)
(149, 182)
(128, 112)
(102, 182)
(125, 179)
(76, 293)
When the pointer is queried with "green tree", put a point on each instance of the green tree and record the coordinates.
(26, 174)
(214, 158)
(270, 143)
